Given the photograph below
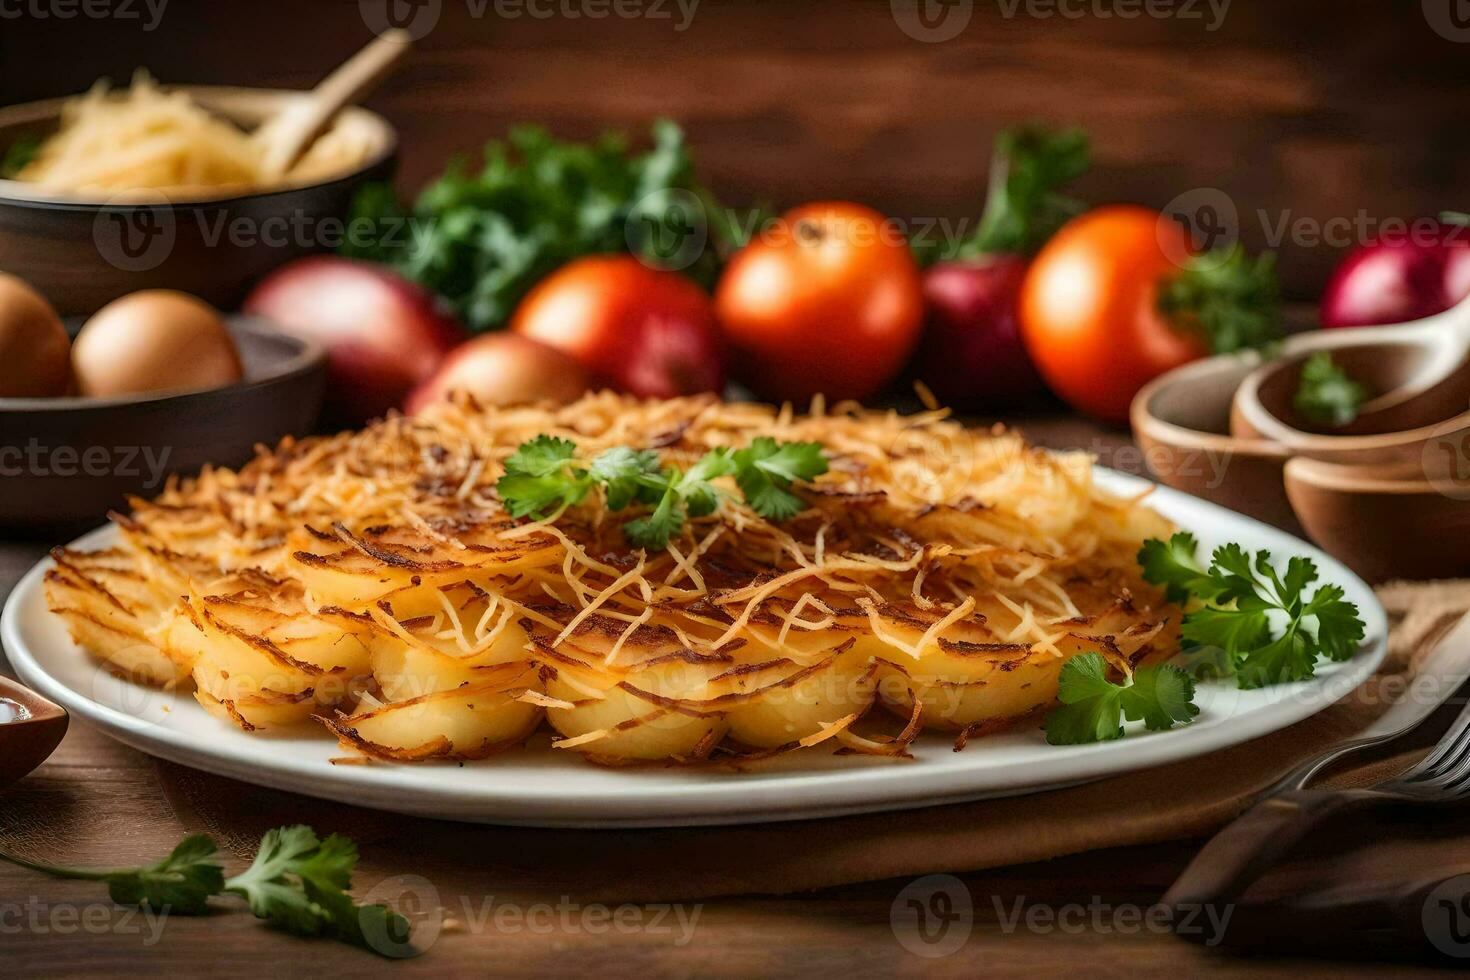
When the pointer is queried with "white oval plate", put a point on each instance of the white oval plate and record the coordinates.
(542, 786)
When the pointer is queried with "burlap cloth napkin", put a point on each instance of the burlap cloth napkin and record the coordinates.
(1182, 800)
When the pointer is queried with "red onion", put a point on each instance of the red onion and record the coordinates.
(971, 353)
(1400, 277)
(384, 335)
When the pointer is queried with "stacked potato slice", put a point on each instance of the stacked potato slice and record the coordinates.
(373, 582)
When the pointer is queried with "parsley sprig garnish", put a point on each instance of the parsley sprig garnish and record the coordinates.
(545, 476)
(1252, 621)
(297, 883)
(1326, 394)
(1093, 707)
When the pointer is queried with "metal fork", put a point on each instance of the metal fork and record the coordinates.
(1241, 853)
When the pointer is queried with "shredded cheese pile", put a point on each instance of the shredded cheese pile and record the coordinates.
(145, 141)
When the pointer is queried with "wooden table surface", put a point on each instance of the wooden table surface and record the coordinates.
(59, 928)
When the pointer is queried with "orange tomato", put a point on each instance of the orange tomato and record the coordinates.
(1088, 308)
(827, 300)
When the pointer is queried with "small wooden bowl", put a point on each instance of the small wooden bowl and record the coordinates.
(1388, 505)
(1404, 451)
(1382, 526)
(82, 253)
(27, 742)
(67, 461)
(1182, 422)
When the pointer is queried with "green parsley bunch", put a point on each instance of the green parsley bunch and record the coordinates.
(544, 476)
(1249, 620)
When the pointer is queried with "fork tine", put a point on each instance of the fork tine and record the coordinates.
(1447, 754)
(1453, 766)
(1445, 762)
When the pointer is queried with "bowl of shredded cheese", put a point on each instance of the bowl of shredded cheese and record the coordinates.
(147, 185)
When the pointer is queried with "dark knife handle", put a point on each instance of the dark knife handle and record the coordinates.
(1413, 919)
(1241, 853)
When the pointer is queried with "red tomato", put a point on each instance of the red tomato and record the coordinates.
(830, 300)
(1088, 314)
(646, 331)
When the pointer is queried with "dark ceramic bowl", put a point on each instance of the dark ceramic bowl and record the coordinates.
(67, 461)
(81, 253)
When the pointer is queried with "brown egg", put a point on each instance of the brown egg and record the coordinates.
(34, 349)
(154, 340)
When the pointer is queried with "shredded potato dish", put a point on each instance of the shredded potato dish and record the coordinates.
(373, 584)
(144, 139)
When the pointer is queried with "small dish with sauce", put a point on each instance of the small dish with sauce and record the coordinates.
(30, 729)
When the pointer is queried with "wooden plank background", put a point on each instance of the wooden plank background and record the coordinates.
(1311, 109)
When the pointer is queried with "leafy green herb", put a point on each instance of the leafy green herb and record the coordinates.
(765, 471)
(1257, 622)
(181, 882)
(544, 475)
(627, 474)
(1023, 205)
(1227, 297)
(300, 884)
(1325, 394)
(297, 883)
(18, 154)
(481, 240)
(1093, 707)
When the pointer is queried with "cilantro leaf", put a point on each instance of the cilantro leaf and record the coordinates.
(544, 475)
(182, 882)
(299, 883)
(1287, 658)
(1090, 711)
(700, 495)
(542, 456)
(1159, 697)
(541, 476)
(1093, 707)
(766, 469)
(1252, 620)
(1325, 394)
(1231, 630)
(625, 473)
(1173, 566)
(18, 155)
(654, 530)
(1339, 629)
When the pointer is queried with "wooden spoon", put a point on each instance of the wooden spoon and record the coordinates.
(30, 729)
(284, 137)
(1418, 373)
